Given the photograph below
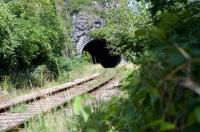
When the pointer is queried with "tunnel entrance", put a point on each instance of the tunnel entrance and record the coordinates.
(101, 54)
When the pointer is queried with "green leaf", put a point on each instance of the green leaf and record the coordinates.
(165, 126)
(139, 33)
(168, 21)
(194, 116)
(154, 95)
(77, 107)
(197, 113)
(85, 115)
(158, 34)
(191, 118)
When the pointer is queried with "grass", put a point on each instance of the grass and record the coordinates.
(64, 119)
(51, 122)
(79, 71)
(18, 109)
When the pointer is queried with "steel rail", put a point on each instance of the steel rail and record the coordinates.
(6, 104)
(56, 98)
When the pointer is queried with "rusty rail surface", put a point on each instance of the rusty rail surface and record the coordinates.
(41, 103)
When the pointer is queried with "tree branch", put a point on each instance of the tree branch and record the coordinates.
(188, 83)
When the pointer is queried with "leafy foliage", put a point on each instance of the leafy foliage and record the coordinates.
(30, 33)
(33, 36)
(74, 6)
(163, 40)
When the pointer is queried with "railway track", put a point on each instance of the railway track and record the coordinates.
(47, 99)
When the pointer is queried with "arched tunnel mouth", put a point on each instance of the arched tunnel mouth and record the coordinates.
(98, 49)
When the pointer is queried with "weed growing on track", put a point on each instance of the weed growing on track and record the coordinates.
(19, 109)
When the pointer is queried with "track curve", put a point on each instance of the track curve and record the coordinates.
(48, 99)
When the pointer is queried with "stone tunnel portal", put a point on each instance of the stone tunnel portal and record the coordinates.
(97, 48)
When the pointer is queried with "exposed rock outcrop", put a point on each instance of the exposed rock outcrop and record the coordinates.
(84, 23)
(87, 20)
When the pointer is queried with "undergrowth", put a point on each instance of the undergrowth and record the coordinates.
(67, 118)
(42, 78)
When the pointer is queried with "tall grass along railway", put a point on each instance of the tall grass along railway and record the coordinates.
(47, 99)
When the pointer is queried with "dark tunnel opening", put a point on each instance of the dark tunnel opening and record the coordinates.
(101, 54)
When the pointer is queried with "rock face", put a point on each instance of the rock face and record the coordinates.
(84, 24)
(86, 21)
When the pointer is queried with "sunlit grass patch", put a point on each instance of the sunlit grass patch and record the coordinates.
(19, 108)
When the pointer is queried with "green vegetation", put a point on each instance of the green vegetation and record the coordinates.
(65, 119)
(34, 43)
(30, 34)
(163, 93)
(19, 109)
(80, 69)
(74, 6)
(161, 37)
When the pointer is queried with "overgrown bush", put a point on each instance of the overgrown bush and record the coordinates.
(32, 35)
(163, 40)
(74, 6)
(7, 37)
(41, 75)
(59, 64)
